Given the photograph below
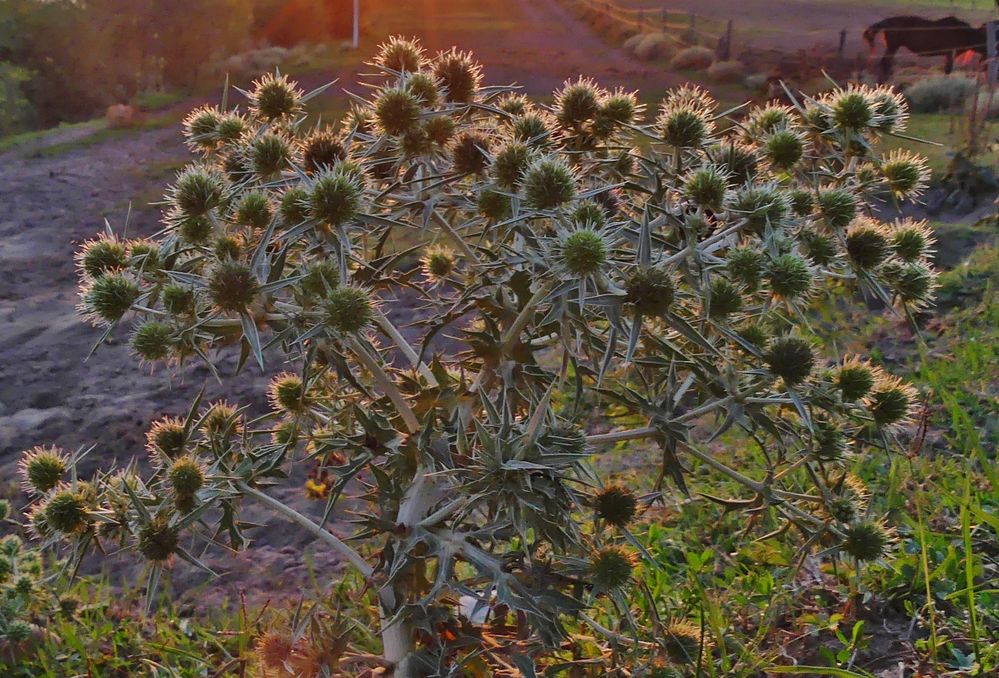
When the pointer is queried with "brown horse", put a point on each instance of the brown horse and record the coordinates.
(926, 37)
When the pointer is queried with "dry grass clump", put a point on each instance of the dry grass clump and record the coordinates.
(652, 46)
(726, 71)
(692, 58)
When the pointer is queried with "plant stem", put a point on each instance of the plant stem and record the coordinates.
(520, 322)
(466, 250)
(404, 346)
(386, 384)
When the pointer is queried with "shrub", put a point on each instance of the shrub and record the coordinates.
(726, 71)
(653, 46)
(622, 273)
(692, 58)
(940, 93)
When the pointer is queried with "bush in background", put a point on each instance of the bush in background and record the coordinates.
(693, 58)
(941, 93)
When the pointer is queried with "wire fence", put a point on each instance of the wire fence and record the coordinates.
(684, 28)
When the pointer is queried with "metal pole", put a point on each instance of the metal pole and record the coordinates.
(357, 24)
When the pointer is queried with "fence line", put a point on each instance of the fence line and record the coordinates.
(653, 19)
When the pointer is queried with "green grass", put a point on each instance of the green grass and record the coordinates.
(24, 138)
(947, 132)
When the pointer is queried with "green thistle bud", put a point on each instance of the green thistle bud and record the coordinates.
(790, 358)
(531, 129)
(109, 297)
(616, 505)
(195, 230)
(415, 142)
(565, 438)
(255, 210)
(850, 110)
(294, 206)
(286, 433)
(651, 291)
(761, 205)
(509, 165)
(867, 243)
(611, 568)
(738, 161)
(891, 110)
(18, 632)
(103, 255)
(891, 401)
(335, 198)
(866, 540)
(287, 392)
(41, 468)
(745, 266)
(400, 55)
(199, 189)
(684, 127)
(784, 148)
(584, 252)
(514, 104)
(589, 213)
(682, 642)
(913, 283)
(228, 248)
(768, 119)
(186, 476)
(802, 202)
(438, 263)
(201, 128)
(397, 111)
(725, 300)
(274, 97)
(424, 88)
(439, 129)
(4, 509)
(911, 240)
(167, 437)
(158, 540)
(789, 276)
(906, 173)
(232, 287)
(843, 509)
(469, 153)
(494, 205)
(269, 154)
(707, 187)
(818, 247)
(152, 341)
(577, 103)
(230, 128)
(837, 206)
(221, 420)
(320, 278)
(236, 163)
(144, 255)
(177, 299)
(829, 442)
(855, 380)
(548, 183)
(69, 604)
(349, 309)
(458, 74)
(322, 149)
(620, 107)
(66, 510)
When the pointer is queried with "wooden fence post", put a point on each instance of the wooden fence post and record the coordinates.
(991, 29)
(842, 44)
(692, 29)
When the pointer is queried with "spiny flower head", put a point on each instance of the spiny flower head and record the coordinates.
(913, 283)
(469, 153)
(829, 440)
(851, 109)
(397, 110)
(790, 358)
(254, 210)
(199, 189)
(494, 205)
(294, 206)
(906, 173)
(104, 254)
(144, 255)
(193, 230)
(349, 309)
(651, 290)
(438, 263)
(837, 206)
(532, 129)
(228, 247)
(230, 128)
(320, 278)
(616, 505)
(867, 243)
(41, 468)
(682, 642)
(322, 149)
(548, 183)
(821, 248)
(621, 107)
(109, 297)
(589, 213)
(424, 87)
(286, 392)
(152, 340)
(402, 55)
(761, 205)
(509, 164)
(611, 567)
(166, 437)
(584, 251)
(768, 119)
(745, 265)
(866, 540)
(789, 276)
(232, 287)
(891, 109)
(783, 148)
(739, 161)
(158, 539)
(201, 128)
(725, 298)
(335, 197)
(439, 129)
(187, 476)
(459, 75)
(855, 379)
(66, 510)
(220, 419)
(270, 153)
(514, 104)
(684, 126)
(891, 401)
(577, 103)
(274, 97)
(911, 240)
(707, 187)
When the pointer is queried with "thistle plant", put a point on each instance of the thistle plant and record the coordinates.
(581, 258)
